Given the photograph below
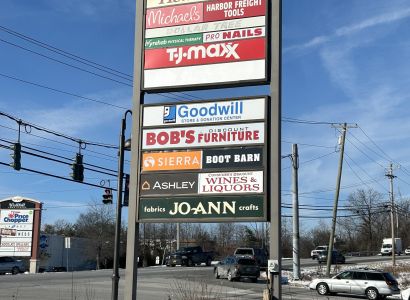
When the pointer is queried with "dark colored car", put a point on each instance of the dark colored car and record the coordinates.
(189, 256)
(237, 267)
(11, 265)
(337, 257)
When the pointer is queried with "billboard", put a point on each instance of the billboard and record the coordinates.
(202, 43)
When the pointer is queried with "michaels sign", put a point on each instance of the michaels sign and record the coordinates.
(205, 112)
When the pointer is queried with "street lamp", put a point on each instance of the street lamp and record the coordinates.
(124, 145)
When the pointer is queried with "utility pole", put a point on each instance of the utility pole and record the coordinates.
(344, 127)
(295, 205)
(393, 242)
(178, 232)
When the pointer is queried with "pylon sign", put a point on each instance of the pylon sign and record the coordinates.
(207, 170)
(19, 226)
(204, 43)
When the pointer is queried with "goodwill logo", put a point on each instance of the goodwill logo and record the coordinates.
(16, 217)
(209, 112)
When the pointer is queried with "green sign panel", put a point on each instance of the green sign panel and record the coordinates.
(199, 208)
(173, 41)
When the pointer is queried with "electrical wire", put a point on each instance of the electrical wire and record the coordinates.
(67, 64)
(61, 52)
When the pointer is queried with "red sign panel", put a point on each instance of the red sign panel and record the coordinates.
(240, 50)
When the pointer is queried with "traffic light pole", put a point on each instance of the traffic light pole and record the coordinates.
(121, 150)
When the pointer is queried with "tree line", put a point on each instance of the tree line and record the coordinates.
(363, 221)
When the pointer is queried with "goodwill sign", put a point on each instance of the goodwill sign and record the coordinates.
(205, 112)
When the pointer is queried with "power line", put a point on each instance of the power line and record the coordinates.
(59, 134)
(67, 64)
(62, 92)
(61, 52)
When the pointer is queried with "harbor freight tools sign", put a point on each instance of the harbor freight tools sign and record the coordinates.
(205, 112)
(16, 227)
(204, 161)
(208, 42)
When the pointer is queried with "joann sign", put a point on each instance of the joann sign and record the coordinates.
(186, 169)
(204, 42)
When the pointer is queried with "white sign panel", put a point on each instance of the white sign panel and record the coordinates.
(230, 183)
(203, 136)
(16, 227)
(204, 112)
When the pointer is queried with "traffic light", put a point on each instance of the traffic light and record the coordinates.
(16, 164)
(107, 197)
(126, 190)
(78, 168)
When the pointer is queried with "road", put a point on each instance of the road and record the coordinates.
(154, 283)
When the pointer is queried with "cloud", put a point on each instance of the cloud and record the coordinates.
(352, 29)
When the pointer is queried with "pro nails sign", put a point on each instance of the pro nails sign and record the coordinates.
(200, 43)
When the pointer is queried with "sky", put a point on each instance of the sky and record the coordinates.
(342, 61)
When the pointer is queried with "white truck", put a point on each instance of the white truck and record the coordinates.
(387, 246)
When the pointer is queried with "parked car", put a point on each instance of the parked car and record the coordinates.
(11, 265)
(314, 253)
(407, 251)
(374, 284)
(189, 256)
(259, 254)
(337, 257)
(237, 267)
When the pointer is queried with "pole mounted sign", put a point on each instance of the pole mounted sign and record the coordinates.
(201, 43)
(201, 168)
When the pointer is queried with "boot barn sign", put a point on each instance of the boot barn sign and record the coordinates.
(204, 161)
(204, 42)
(19, 226)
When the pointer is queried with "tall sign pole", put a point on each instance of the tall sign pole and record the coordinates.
(275, 149)
(130, 292)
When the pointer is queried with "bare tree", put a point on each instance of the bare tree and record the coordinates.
(98, 224)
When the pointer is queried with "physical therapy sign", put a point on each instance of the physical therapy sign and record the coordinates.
(198, 43)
